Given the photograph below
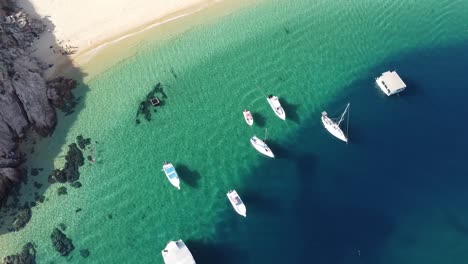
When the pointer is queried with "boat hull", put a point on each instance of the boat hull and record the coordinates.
(248, 118)
(171, 175)
(333, 128)
(237, 203)
(176, 252)
(277, 108)
(261, 147)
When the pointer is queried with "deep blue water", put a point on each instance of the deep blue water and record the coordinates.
(322, 201)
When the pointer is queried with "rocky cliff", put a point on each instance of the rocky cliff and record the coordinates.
(27, 100)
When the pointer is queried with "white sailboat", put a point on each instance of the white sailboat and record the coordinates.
(248, 117)
(237, 203)
(334, 126)
(176, 252)
(171, 174)
(261, 146)
(276, 106)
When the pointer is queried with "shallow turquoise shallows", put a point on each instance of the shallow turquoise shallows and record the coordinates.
(394, 194)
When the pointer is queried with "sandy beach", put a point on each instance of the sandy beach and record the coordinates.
(76, 30)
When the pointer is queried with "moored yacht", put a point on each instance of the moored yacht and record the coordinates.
(248, 117)
(237, 203)
(276, 106)
(176, 252)
(334, 126)
(171, 174)
(261, 146)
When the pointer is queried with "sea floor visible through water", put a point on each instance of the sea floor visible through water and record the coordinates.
(394, 194)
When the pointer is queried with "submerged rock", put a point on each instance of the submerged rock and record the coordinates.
(84, 253)
(34, 171)
(74, 159)
(82, 142)
(76, 184)
(22, 218)
(62, 190)
(27, 256)
(61, 242)
(145, 106)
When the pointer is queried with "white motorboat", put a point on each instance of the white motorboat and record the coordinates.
(334, 126)
(248, 117)
(261, 146)
(276, 106)
(237, 203)
(176, 252)
(171, 174)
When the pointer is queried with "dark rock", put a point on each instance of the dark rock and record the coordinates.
(76, 184)
(27, 256)
(63, 226)
(78, 210)
(74, 159)
(84, 253)
(34, 171)
(59, 91)
(109, 216)
(37, 185)
(61, 242)
(144, 107)
(40, 199)
(52, 177)
(26, 98)
(62, 190)
(22, 218)
(82, 142)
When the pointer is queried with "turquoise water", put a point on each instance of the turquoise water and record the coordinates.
(319, 201)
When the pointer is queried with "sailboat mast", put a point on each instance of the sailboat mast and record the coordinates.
(347, 127)
(265, 134)
(342, 115)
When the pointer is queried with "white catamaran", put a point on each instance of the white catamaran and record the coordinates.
(333, 126)
(171, 174)
(261, 146)
(237, 203)
(176, 252)
(276, 106)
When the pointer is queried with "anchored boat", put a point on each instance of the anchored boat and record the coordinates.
(276, 106)
(248, 117)
(333, 126)
(176, 252)
(237, 203)
(261, 146)
(171, 174)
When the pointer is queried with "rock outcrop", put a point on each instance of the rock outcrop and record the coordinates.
(61, 242)
(27, 256)
(22, 218)
(27, 100)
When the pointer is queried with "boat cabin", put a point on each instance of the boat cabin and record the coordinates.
(155, 101)
(390, 83)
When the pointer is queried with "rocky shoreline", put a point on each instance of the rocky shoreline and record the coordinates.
(27, 99)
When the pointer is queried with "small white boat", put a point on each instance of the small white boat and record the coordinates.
(276, 106)
(176, 252)
(334, 126)
(171, 174)
(248, 117)
(237, 203)
(261, 147)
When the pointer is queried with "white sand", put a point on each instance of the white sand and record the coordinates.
(82, 26)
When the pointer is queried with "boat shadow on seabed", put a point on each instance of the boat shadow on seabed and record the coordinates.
(187, 175)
